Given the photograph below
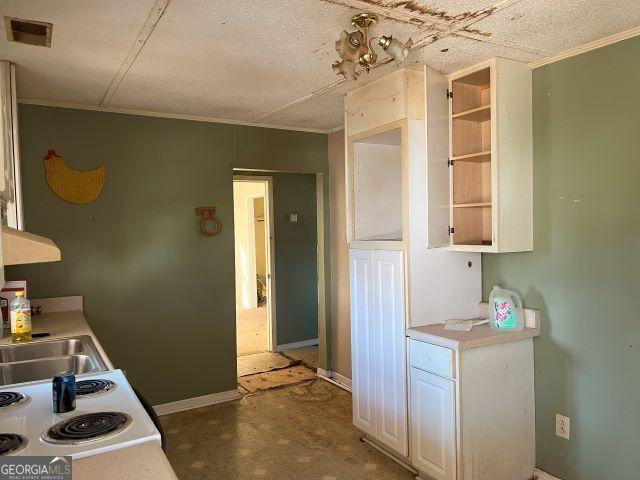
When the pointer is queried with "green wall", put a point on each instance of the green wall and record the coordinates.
(159, 296)
(296, 257)
(583, 272)
(295, 244)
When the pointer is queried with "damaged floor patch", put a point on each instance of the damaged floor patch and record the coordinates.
(261, 362)
(276, 378)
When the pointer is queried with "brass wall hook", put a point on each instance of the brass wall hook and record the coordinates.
(207, 225)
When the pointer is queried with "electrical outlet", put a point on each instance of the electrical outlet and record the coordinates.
(563, 426)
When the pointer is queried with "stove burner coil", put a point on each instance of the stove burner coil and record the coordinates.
(83, 428)
(8, 399)
(90, 387)
(11, 442)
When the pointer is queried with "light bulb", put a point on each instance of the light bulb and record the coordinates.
(394, 48)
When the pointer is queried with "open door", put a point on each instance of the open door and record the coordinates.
(437, 135)
(254, 264)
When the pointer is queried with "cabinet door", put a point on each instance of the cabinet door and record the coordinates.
(390, 350)
(433, 425)
(362, 341)
(437, 138)
(15, 216)
(6, 131)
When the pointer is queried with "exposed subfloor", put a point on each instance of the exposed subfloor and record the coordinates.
(297, 432)
(262, 371)
(251, 326)
(266, 361)
(307, 355)
(275, 379)
(261, 362)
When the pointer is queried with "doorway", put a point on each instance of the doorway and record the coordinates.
(253, 234)
(284, 203)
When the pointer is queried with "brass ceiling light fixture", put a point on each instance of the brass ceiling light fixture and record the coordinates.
(356, 49)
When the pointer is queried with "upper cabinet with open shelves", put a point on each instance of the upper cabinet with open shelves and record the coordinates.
(489, 166)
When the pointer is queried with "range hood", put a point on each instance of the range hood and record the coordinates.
(21, 247)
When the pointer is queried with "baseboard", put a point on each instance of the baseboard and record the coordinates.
(335, 378)
(290, 346)
(196, 402)
(341, 379)
(540, 475)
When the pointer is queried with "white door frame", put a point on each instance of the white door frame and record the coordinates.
(269, 250)
(251, 243)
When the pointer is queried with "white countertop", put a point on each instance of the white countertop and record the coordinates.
(480, 336)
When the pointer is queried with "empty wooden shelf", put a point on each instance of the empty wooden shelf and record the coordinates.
(472, 205)
(479, 114)
(474, 157)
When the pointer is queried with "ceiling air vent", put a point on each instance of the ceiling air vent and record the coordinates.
(28, 31)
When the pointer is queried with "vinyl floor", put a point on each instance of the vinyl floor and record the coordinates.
(297, 432)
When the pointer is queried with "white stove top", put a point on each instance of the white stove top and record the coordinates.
(35, 416)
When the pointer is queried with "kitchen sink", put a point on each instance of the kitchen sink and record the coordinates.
(46, 349)
(46, 359)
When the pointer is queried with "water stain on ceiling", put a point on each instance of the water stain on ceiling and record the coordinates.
(205, 60)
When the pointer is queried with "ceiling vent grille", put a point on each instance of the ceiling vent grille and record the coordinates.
(29, 32)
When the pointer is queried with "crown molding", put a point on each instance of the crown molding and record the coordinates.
(176, 116)
(587, 47)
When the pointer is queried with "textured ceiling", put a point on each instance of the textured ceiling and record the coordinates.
(268, 62)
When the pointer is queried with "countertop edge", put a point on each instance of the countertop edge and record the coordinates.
(461, 345)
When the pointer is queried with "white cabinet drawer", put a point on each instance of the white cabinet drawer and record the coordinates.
(432, 358)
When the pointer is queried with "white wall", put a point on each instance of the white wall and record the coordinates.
(243, 194)
(377, 191)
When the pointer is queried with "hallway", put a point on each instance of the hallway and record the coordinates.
(251, 325)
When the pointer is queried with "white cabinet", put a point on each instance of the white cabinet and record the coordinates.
(489, 166)
(472, 411)
(6, 132)
(396, 281)
(379, 381)
(433, 429)
(10, 191)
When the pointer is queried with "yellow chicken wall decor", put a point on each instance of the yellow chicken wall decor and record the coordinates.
(73, 186)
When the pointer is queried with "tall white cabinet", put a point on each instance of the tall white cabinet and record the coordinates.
(435, 161)
(396, 282)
